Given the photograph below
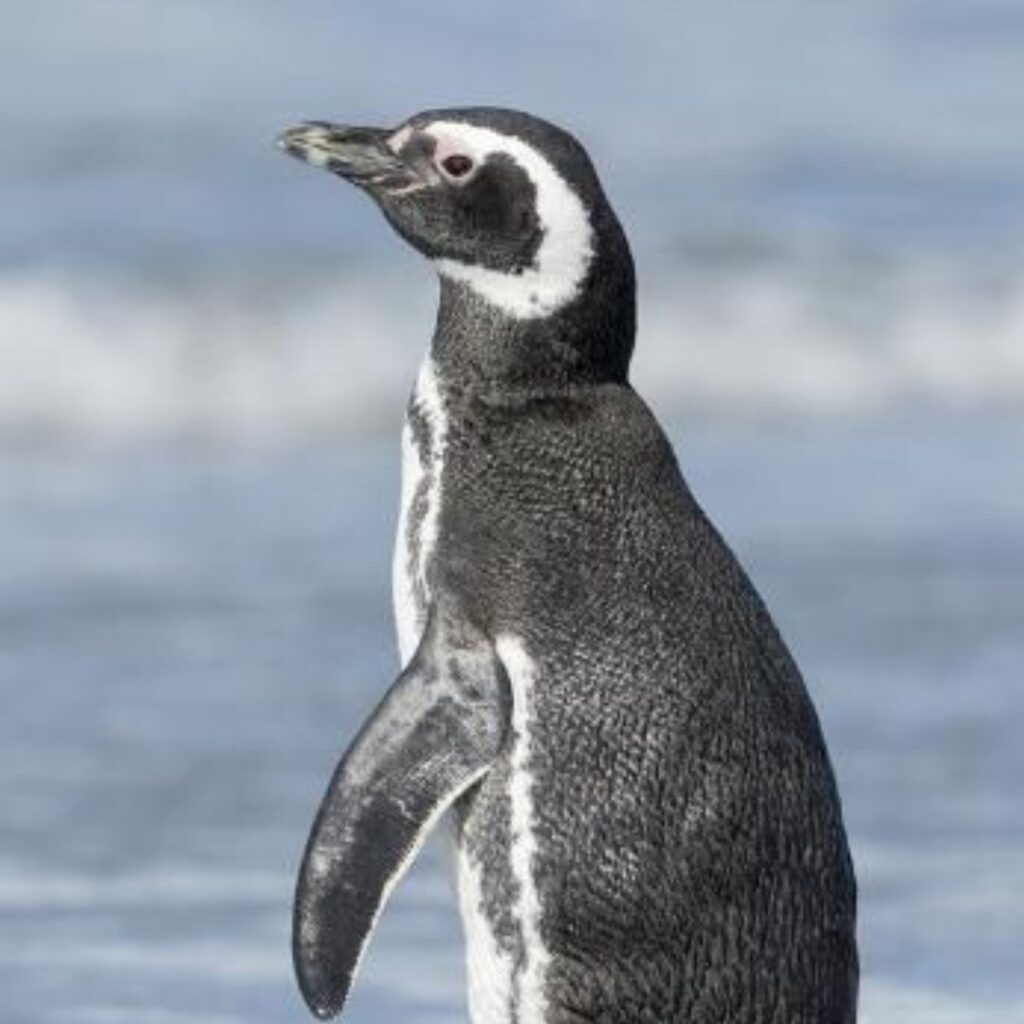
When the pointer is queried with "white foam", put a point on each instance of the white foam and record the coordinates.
(54, 891)
(233, 360)
(245, 362)
(889, 1002)
(140, 1015)
(776, 341)
(225, 959)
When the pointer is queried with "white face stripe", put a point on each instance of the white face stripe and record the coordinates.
(567, 246)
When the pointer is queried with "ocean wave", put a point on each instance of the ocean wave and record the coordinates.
(884, 1002)
(251, 358)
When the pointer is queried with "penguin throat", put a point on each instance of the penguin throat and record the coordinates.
(553, 280)
(589, 341)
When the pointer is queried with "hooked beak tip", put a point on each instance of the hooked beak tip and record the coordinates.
(360, 155)
(297, 140)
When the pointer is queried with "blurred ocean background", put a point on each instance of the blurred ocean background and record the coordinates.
(204, 354)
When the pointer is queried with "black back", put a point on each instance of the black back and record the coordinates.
(692, 862)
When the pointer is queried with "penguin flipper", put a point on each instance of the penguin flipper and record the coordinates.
(435, 733)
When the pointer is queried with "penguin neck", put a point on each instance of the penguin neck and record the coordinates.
(587, 341)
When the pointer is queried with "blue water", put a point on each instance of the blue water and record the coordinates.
(826, 202)
(136, 125)
(189, 641)
(204, 350)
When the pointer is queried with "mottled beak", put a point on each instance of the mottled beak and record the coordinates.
(360, 155)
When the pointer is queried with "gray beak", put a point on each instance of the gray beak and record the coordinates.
(361, 155)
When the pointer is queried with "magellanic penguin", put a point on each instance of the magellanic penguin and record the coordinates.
(647, 825)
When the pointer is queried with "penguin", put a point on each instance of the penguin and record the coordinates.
(647, 824)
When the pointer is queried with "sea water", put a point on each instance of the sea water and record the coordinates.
(204, 353)
(826, 202)
(191, 640)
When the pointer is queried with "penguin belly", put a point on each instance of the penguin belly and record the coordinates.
(506, 957)
(495, 841)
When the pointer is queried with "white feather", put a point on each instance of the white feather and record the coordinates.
(488, 967)
(407, 618)
(410, 575)
(531, 979)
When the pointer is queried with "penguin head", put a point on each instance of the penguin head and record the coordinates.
(505, 204)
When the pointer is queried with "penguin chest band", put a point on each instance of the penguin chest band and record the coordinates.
(424, 440)
(507, 979)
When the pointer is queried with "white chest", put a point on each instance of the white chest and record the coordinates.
(507, 979)
(424, 440)
(499, 989)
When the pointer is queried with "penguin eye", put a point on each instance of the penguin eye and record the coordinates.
(458, 165)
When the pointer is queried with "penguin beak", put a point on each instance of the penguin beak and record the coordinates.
(360, 155)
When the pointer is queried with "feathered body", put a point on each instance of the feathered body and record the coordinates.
(656, 838)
